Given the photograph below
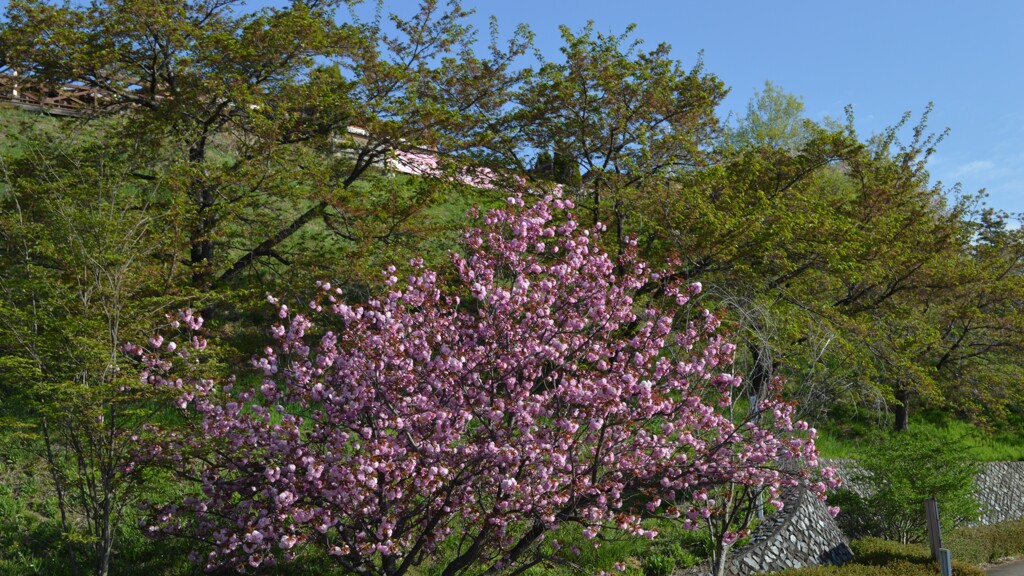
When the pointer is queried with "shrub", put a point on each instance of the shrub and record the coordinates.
(898, 473)
(877, 557)
(987, 544)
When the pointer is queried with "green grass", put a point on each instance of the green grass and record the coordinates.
(845, 437)
(571, 554)
(833, 446)
(673, 549)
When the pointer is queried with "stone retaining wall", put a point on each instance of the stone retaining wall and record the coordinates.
(802, 534)
(1000, 491)
(999, 488)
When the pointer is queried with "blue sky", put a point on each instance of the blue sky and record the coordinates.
(884, 58)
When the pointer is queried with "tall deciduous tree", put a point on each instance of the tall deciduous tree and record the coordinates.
(627, 117)
(981, 326)
(846, 269)
(907, 232)
(79, 273)
(753, 229)
(190, 76)
(246, 111)
(774, 119)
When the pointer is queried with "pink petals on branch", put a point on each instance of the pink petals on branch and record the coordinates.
(528, 391)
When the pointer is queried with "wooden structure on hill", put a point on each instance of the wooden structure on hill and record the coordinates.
(67, 100)
(78, 100)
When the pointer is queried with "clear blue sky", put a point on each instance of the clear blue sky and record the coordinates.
(884, 58)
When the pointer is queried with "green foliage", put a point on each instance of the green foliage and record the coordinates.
(556, 168)
(845, 434)
(221, 168)
(567, 553)
(898, 473)
(987, 544)
(80, 274)
(673, 549)
(243, 116)
(849, 274)
(624, 117)
(774, 120)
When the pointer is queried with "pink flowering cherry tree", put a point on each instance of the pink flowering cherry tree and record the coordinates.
(521, 390)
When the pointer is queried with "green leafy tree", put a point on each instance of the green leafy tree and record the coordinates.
(556, 168)
(246, 115)
(987, 341)
(915, 270)
(895, 477)
(218, 150)
(79, 273)
(846, 270)
(774, 119)
(208, 88)
(628, 118)
(751, 228)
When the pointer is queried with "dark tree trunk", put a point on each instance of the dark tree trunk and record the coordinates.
(201, 241)
(902, 410)
(201, 235)
(761, 374)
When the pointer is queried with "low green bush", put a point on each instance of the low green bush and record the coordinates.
(877, 557)
(987, 544)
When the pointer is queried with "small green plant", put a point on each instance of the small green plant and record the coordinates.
(659, 565)
(675, 550)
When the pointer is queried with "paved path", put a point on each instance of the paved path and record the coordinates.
(1011, 569)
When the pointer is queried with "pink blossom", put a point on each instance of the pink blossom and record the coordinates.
(394, 425)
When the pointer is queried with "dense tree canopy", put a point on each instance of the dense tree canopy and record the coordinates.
(235, 105)
(626, 117)
(80, 275)
(232, 153)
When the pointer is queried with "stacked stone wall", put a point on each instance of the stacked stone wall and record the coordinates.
(999, 488)
(802, 534)
(1000, 491)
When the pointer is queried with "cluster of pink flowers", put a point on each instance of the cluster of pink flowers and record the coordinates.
(526, 390)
